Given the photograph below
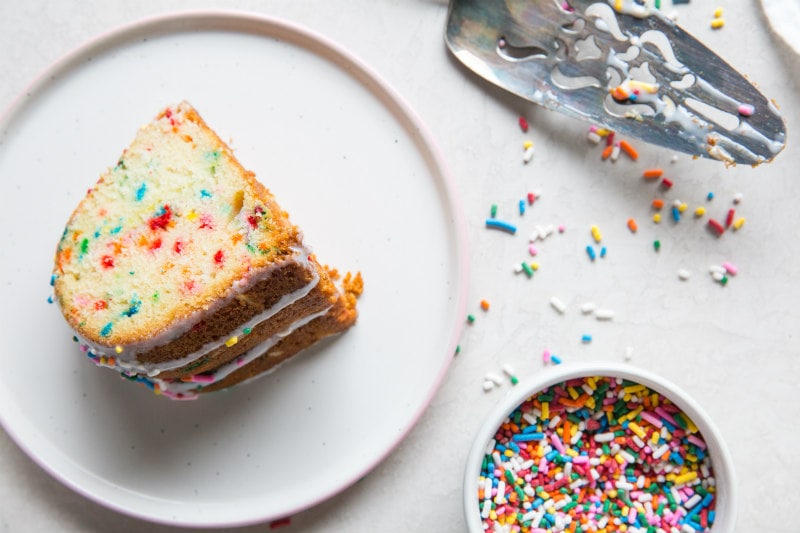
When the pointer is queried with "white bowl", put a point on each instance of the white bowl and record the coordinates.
(725, 506)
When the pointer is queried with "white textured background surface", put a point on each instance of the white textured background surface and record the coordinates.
(734, 349)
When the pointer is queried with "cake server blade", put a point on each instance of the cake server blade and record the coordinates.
(620, 64)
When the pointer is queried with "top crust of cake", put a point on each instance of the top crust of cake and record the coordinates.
(175, 227)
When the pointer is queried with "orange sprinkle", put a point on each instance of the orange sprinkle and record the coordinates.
(658, 203)
(632, 225)
(652, 173)
(628, 149)
(607, 152)
(484, 305)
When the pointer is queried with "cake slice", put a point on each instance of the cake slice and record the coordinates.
(179, 269)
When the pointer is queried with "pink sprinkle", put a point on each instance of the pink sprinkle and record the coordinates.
(532, 249)
(746, 110)
(666, 416)
(730, 268)
(700, 443)
(561, 228)
(653, 420)
(546, 356)
(557, 444)
(201, 378)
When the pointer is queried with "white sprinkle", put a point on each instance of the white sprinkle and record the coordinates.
(604, 314)
(494, 378)
(540, 232)
(593, 137)
(528, 155)
(534, 236)
(486, 508)
(604, 437)
(487, 385)
(737, 198)
(683, 274)
(517, 268)
(717, 276)
(588, 308)
(508, 370)
(716, 269)
(615, 152)
(549, 230)
(558, 305)
(674, 159)
(628, 353)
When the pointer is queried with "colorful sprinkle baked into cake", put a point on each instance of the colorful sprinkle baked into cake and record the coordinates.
(180, 270)
(597, 454)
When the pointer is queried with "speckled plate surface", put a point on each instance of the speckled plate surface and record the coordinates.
(358, 172)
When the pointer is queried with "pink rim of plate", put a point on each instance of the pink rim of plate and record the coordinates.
(381, 89)
(720, 456)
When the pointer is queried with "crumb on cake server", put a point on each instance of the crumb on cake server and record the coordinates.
(179, 269)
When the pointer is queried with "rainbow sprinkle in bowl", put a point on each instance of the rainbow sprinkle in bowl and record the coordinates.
(598, 447)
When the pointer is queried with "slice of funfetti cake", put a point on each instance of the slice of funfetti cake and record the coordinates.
(180, 270)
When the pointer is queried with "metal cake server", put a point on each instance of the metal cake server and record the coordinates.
(620, 64)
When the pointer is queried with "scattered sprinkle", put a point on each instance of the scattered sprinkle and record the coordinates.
(738, 223)
(470, 318)
(683, 274)
(588, 308)
(730, 268)
(230, 342)
(596, 234)
(746, 110)
(632, 225)
(652, 173)
(523, 124)
(499, 224)
(657, 245)
(700, 211)
(604, 314)
(586, 338)
(716, 226)
(558, 305)
(590, 252)
(629, 150)
(493, 211)
(484, 305)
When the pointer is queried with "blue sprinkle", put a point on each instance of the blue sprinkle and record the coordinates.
(205, 194)
(116, 230)
(52, 280)
(106, 331)
(603, 251)
(499, 224)
(590, 252)
(140, 192)
(586, 339)
(710, 196)
(136, 303)
(527, 437)
(522, 207)
(555, 359)
(676, 213)
(49, 299)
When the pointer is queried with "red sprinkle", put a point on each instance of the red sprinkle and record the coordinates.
(523, 124)
(161, 221)
(531, 198)
(729, 218)
(178, 247)
(99, 305)
(156, 244)
(666, 183)
(716, 226)
(107, 261)
(219, 257)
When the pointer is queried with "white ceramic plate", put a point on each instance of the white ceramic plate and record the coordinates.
(357, 171)
(784, 19)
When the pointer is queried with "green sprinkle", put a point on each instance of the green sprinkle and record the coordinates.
(527, 268)
(656, 245)
(470, 318)
(514, 380)
(494, 210)
(247, 331)
(84, 246)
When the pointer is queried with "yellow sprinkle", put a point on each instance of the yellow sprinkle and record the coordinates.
(690, 426)
(590, 403)
(619, 459)
(633, 388)
(650, 88)
(683, 207)
(191, 216)
(545, 410)
(527, 144)
(739, 223)
(157, 389)
(572, 452)
(592, 382)
(230, 342)
(535, 266)
(118, 349)
(717, 23)
(637, 429)
(573, 393)
(603, 132)
(700, 211)
(657, 218)
(685, 478)
(718, 13)
(654, 437)
(596, 234)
